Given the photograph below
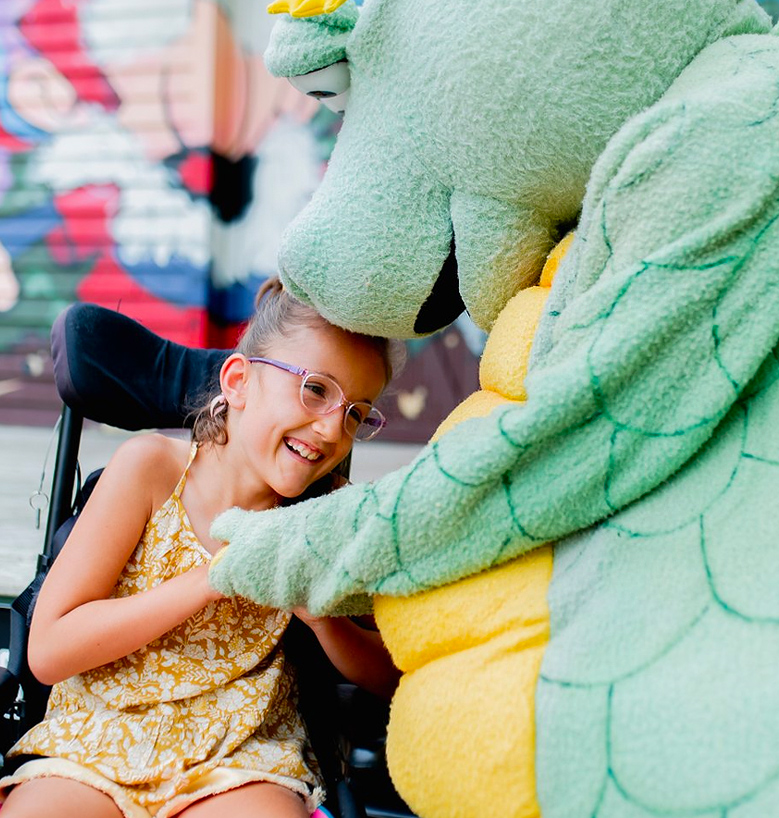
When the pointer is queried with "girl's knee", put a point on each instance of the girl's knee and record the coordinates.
(65, 798)
(257, 800)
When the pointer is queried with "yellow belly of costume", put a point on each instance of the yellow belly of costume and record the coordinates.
(463, 718)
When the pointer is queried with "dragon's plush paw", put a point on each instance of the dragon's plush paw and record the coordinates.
(304, 8)
(241, 565)
(229, 525)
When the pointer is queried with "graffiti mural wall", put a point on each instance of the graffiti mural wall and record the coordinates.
(148, 163)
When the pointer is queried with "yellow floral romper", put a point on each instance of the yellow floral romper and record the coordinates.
(207, 707)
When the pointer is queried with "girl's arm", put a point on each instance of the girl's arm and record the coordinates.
(76, 625)
(356, 652)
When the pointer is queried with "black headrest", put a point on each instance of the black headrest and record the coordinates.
(112, 370)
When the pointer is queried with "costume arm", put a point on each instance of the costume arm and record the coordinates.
(674, 306)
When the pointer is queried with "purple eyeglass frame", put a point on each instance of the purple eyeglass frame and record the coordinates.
(378, 423)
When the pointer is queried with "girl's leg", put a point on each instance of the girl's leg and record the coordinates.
(58, 796)
(260, 800)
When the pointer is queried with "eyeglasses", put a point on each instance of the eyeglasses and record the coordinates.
(322, 395)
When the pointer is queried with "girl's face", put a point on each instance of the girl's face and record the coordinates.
(287, 445)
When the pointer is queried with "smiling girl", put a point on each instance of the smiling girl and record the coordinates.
(168, 698)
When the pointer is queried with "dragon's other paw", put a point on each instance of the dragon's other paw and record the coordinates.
(304, 8)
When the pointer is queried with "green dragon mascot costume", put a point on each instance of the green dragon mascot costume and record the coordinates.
(580, 578)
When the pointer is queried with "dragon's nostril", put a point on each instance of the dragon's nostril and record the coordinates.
(444, 303)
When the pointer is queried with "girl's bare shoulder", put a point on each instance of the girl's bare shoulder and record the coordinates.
(154, 460)
(152, 449)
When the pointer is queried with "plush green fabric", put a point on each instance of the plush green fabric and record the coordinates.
(479, 122)
(648, 443)
(298, 49)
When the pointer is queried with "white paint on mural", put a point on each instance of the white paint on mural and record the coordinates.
(155, 220)
(288, 171)
(250, 23)
(9, 285)
(126, 30)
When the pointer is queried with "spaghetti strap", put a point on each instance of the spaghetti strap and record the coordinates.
(183, 479)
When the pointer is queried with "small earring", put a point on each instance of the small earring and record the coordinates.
(218, 406)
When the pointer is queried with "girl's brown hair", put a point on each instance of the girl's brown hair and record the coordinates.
(276, 315)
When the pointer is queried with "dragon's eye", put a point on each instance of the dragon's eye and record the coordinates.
(330, 85)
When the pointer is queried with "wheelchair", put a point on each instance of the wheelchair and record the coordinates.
(110, 369)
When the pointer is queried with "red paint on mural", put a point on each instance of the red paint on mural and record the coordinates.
(109, 285)
(62, 45)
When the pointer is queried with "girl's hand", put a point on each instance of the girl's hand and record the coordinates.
(313, 622)
(210, 594)
(357, 653)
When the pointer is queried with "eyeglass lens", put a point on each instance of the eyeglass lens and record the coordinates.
(321, 394)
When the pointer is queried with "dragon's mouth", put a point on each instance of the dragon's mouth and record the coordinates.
(444, 303)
